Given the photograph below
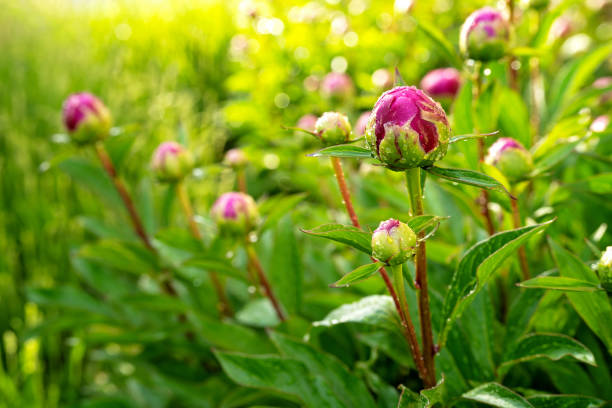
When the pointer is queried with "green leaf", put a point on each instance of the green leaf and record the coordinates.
(593, 307)
(375, 310)
(420, 222)
(344, 151)
(258, 313)
(120, 255)
(552, 157)
(440, 40)
(345, 385)
(346, 234)
(68, 297)
(209, 264)
(93, 178)
(552, 346)
(358, 275)
(426, 399)
(515, 120)
(497, 395)
(230, 336)
(476, 268)
(282, 374)
(118, 147)
(470, 177)
(564, 401)
(560, 283)
(275, 208)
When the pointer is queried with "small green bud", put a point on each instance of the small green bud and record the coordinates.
(393, 242)
(511, 158)
(604, 269)
(171, 162)
(333, 128)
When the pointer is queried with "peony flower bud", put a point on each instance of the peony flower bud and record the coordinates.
(393, 242)
(171, 162)
(511, 158)
(407, 129)
(604, 269)
(362, 122)
(86, 118)
(333, 128)
(337, 85)
(235, 158)
(235, 213)
(484, 35)
(441, 83)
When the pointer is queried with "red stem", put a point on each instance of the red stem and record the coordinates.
(263, 279)
(346, 196)
(516, 217)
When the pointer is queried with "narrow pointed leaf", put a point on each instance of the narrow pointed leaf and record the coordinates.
(497, 395)
(469, 177)
(346, 234)
(344, 151)
(477, 267)
(565, 401)
(560, 283)
(358, 275)
(426, 399)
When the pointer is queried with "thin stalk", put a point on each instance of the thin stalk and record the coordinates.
(241, 178)
(125, 196)
(346, 196)
(483, 200)
(181, 192)
(513, 74)
(402, 311)
(254, 260)
(516, 217)
(413, 179)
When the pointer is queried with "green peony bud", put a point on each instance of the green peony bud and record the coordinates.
(511, 158)
(604, 269)
(333, 128)
(393, 242)
(171, 162)
(484, 35)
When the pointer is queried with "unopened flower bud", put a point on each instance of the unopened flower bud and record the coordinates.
(511, 158)
(333, 128)
(407, 129)
(171, 162)
(604, 269)
(235, 213)
(86, 118)
(235, 158)
(393, 242)
(362, 122)
(337, 85)
(484, 35)
(441, 83)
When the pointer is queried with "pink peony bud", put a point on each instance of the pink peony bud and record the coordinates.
(235, 213)
(484, 35)
(171, 162)
(337, 85)
(511, 158)
(407, 129)
(441, 83)
(393, 242)
(235, 158)
(333, 128)
(362, 122)
(600, 124)
(86, 118)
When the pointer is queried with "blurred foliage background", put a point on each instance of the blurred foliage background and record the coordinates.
(217, 75)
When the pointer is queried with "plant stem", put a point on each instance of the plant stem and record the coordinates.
(346, 196)
(108, 166)
(516, 217)
(241, 178)
(403, 312)
(413, 179)
(223, 305)
(399, 295)
(254, 260)
(513, 74)
(125, 196)
(483, 200)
